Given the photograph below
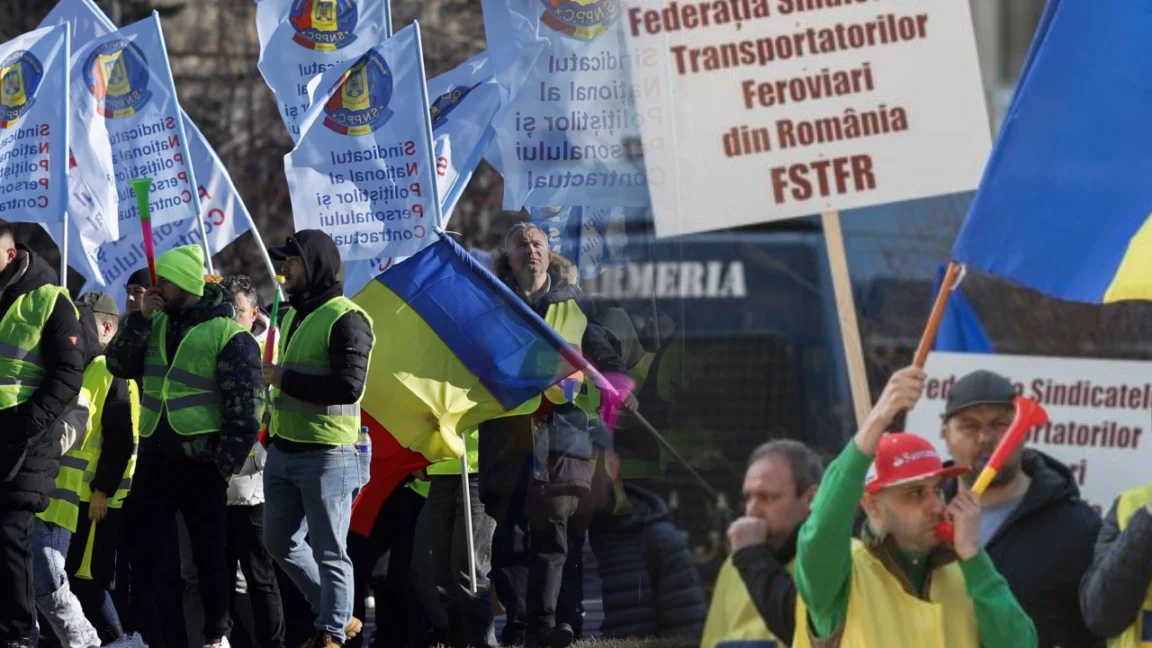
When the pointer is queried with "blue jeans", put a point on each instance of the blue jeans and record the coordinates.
(54, 598)
(310, 494)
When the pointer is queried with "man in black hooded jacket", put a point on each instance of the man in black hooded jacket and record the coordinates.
(41, 370)
(314, 471)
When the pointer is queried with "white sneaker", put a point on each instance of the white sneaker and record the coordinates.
(133, 640)
(370, 602)
(223, 643)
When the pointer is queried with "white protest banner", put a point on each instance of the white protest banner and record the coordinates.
(567, 131)
(301, 39)
(784, 108)
(466, 99)
(125, 96)
(225, 219)
(34, 126)
(91, 179)
(1099, 413)
(363, 169)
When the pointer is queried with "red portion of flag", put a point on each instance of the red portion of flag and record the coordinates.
(391, 464)
(305, 19)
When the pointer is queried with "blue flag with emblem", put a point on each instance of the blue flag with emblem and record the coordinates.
(106, 262)
(34, 126)
(464, 100)
(124, 95)
(363, 169)
(567, 130)
(960, 328)
(301, 39)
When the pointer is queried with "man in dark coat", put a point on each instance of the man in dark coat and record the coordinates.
(539, 464)
(1035, 527)
(41, 370)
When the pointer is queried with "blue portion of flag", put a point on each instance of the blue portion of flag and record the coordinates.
(510, 348)
(960, 328)
(1067, 186)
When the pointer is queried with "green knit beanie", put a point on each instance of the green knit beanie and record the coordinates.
(183, 266)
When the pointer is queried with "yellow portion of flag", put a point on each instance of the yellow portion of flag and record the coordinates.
(1133, 278)
(417, 388)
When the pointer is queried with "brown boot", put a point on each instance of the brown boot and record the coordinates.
(324, 640)
(353, 628)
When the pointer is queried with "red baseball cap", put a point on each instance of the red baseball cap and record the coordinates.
(902, 458)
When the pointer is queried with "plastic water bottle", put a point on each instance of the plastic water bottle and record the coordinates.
(364, 443)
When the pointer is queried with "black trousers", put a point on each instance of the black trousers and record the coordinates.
(246, 546)
(94, 592)
(381, 563)
(196, 489)
(17, 603)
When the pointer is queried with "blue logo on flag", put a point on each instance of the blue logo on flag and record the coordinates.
(583, 19)
(359, 105)
(447, 102)
(324, 25)
(117, 74)
(20, 76)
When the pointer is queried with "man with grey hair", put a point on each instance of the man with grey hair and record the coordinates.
(755, 597)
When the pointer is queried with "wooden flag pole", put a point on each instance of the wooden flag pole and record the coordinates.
(846, 312)
(929, 337)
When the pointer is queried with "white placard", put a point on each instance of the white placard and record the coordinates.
(760, 110)
(1098, 410)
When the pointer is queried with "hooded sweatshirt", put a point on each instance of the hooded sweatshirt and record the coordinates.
(239, 374)
(29, 433)
(349, 344)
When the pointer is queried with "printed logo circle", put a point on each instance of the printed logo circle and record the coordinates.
(359, 104)
(582, 19)
(117, 75)
(324, 25)
(447, 102)
(20, 77)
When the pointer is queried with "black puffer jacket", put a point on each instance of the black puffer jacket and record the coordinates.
(651, 587)
(30, 433)
(1043, 550)
(1113, 591)
(238, 374)
(350, 342)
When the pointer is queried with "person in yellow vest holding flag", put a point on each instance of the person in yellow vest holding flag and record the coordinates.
(754, 603)
(538, 465)
(201, 403)
(899, 585)
(1116, 592)
(316, 465)
(41, 371)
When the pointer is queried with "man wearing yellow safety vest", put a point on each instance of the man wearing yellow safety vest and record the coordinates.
(94, 477)
(201, 402)
(899, 585)
(754, 603)
(314, 470)
(110, 451)
(1116, 593)
(41, 371)
(544, 458)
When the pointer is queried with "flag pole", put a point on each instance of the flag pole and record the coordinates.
(951, 276)
(264, 254)
(846, 314)
(466, 492)
(64, 253)
(577, 360)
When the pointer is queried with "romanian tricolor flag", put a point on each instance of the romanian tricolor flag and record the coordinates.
(1065, 204)
(454, 347)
